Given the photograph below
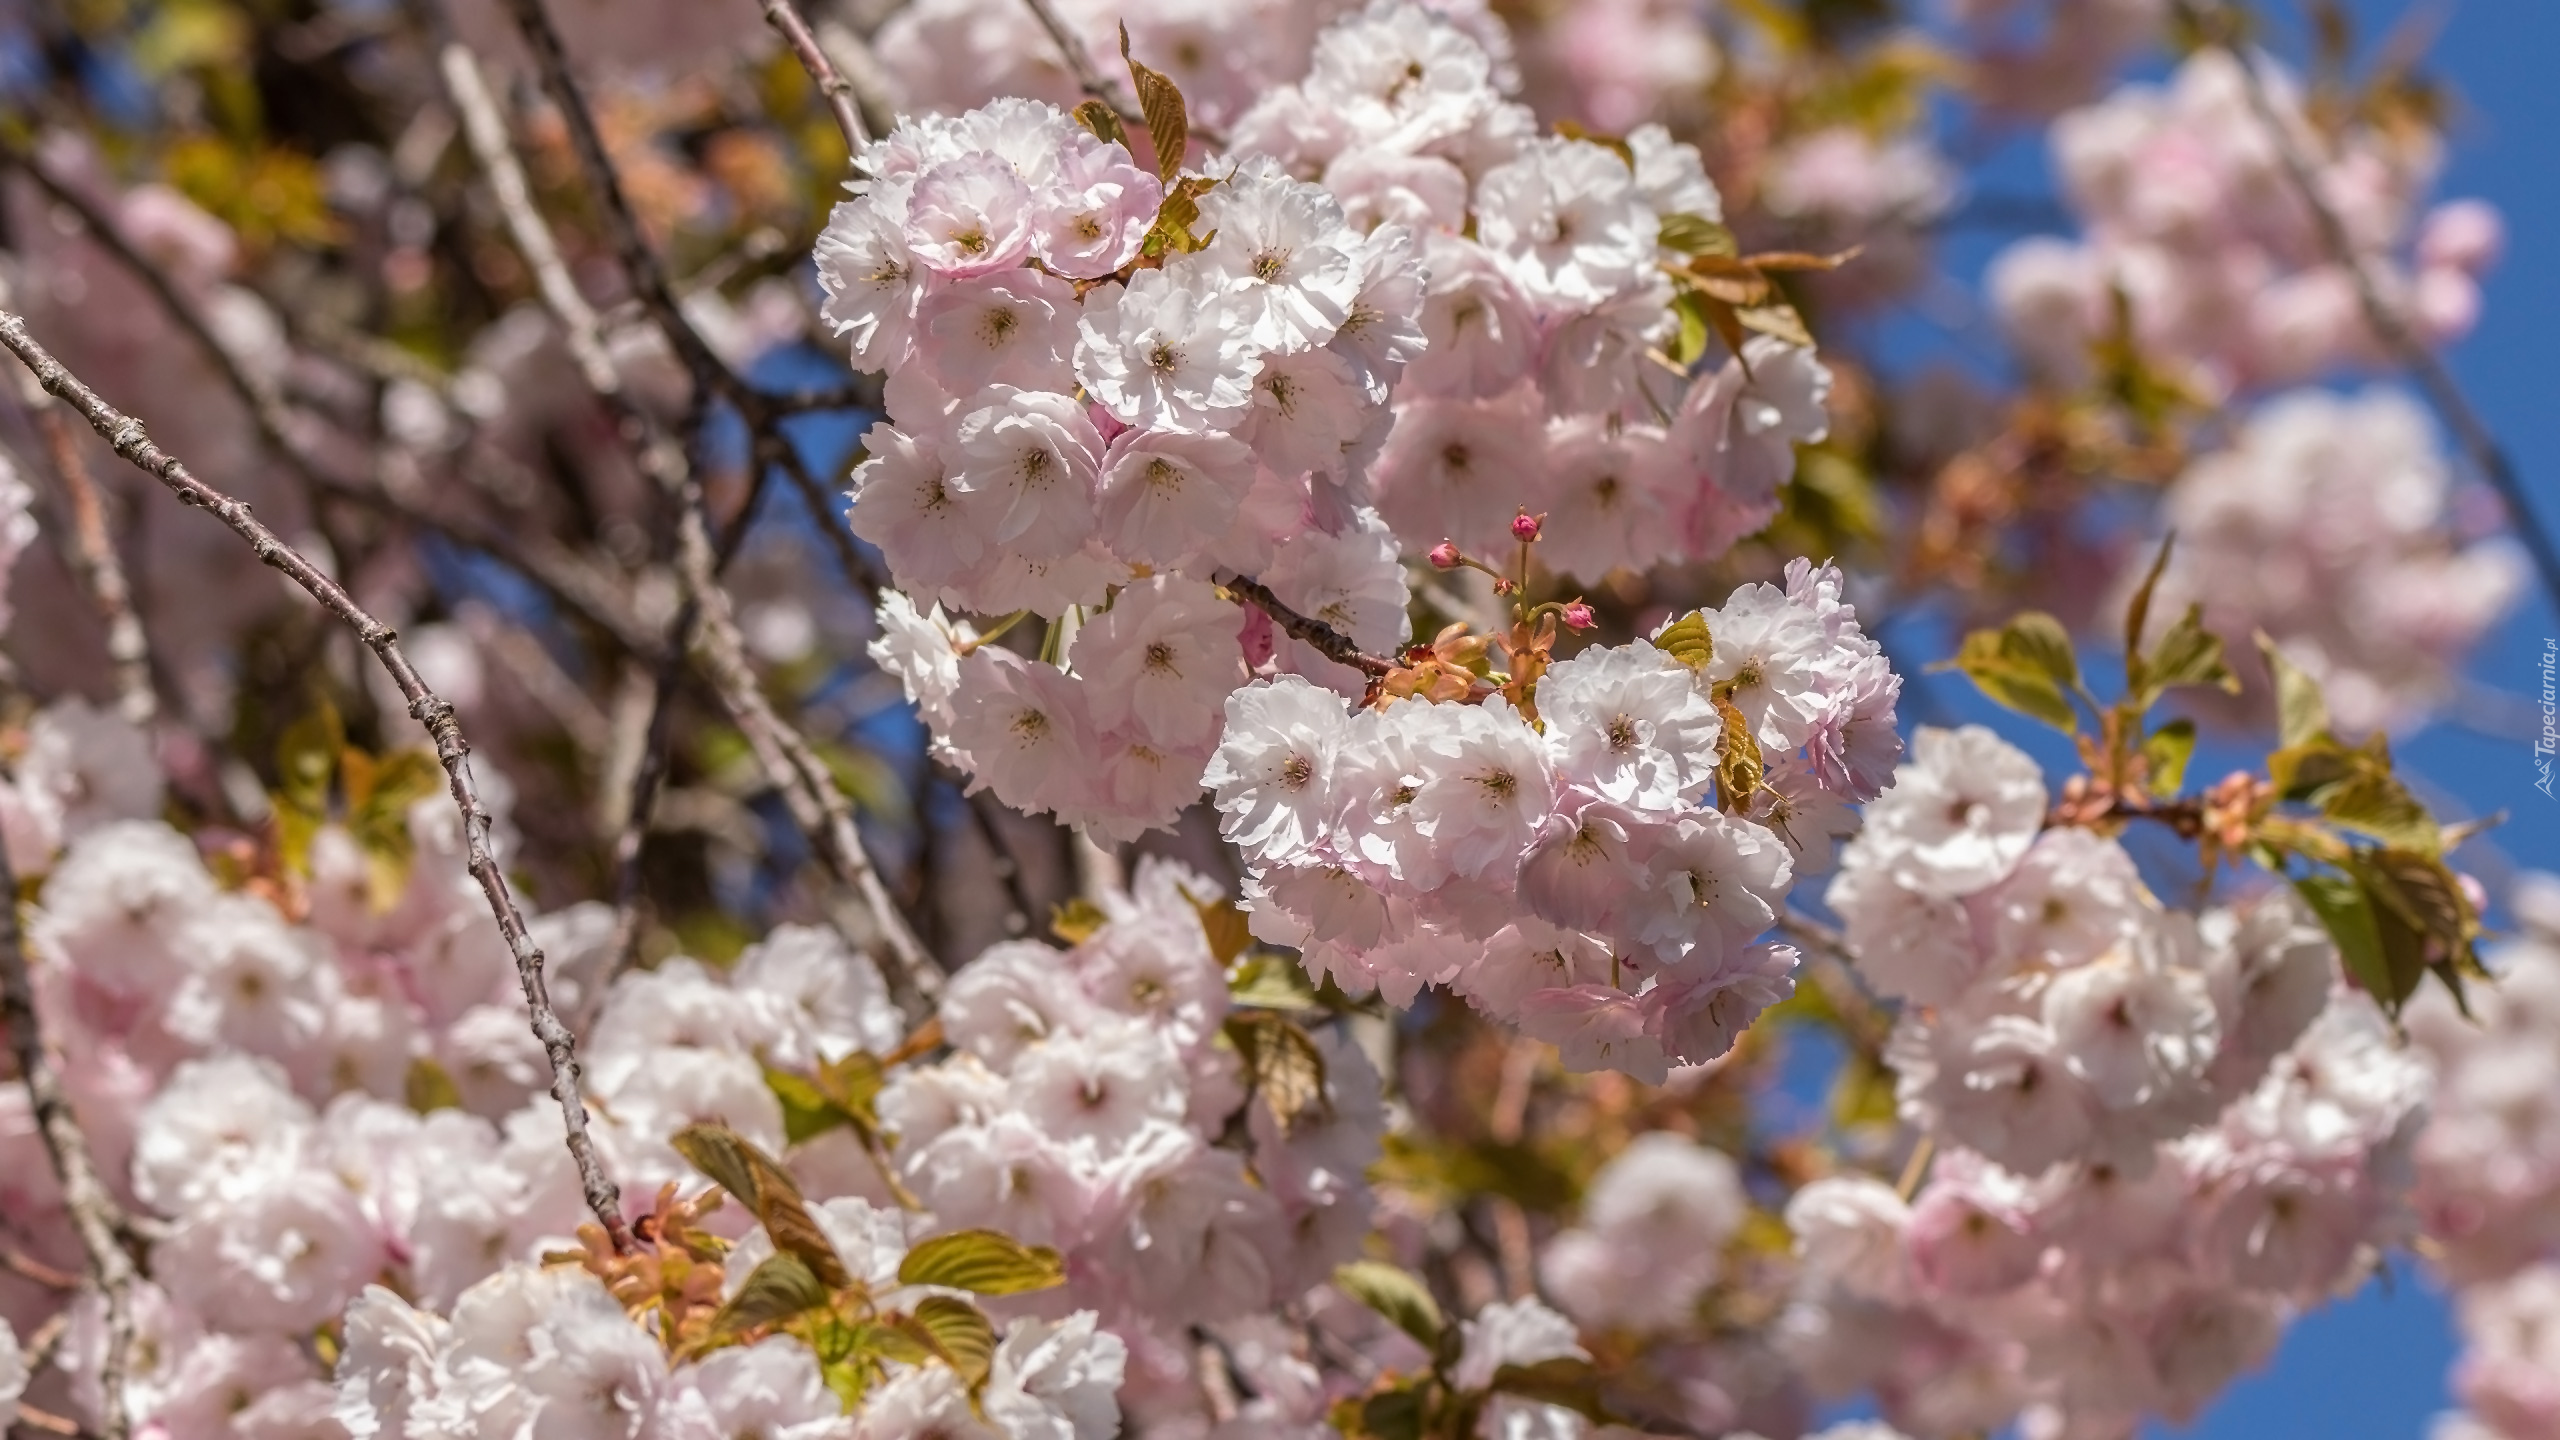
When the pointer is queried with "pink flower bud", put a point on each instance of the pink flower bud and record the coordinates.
(1444, 556)
(2465, 235)
(1578, 615)
(1524, 526)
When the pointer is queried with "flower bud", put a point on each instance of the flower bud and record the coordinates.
(1444, 556)
(1578, 615)
(1524, 526)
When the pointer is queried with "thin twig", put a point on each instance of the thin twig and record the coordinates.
(431, 712)
(92, 555)
(986, 814)
(557, 573)
(647, 778)
(807, 785)
(486, 133)
(1080, 64)
(2388, 324)
(582, 330)
(95, 1216)
(45, 1421)
(1217, 1376)
(647, 273)
(856, 568)
(808, 788)
(1504, 1125)
(1827, 959)
(863, 394)
(27, 1267)
(841, 100)
(1328, 642)
(855, 60)
(38, 1351)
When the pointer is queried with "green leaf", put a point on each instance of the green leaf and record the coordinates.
(1563, 1381)
(2165, 753)
(428, 1087)
(853, 1085)
(1172, 230)
(1282, 1062)
(2188, 654)
(1270, 982)
(806, 1111)
(2372, 801)
(379, 795)
(777, 1290)
(1397, 1294)
(307, 761)
(956, 1333)
(2300, 771)
(984, 1262)
(1452, 1172)
(721, 1154)
(1690, 345)
(1076, 921)
(1688, 641)
(1862, 1095)
(2027, 665)
(1696, 235)
(2302, 713)
(2420, 888)
(1168, 119)
(1229, 933)
(1398, 1413)
(2348, 917)
(735, 1164)
(2039, 641)
(1101, 122)
(2137, 615)
(1775, 318)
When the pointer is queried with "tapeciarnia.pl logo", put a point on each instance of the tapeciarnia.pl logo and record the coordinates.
(2548, 742)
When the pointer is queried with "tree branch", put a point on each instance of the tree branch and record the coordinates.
(91, 552)
(808, 788)
(807, 785)
(838, 91)
(95, 1216)
(1329, 642)
(485, 131)
(431, 712)
(1828, 965)
(1080, 64)
(647, 274)
(559, 574)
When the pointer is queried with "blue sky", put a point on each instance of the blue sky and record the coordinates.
(2375, 1365)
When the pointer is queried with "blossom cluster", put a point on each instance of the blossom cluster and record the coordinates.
(1110, 386)
(1091, 1105)
(255, 1082)
(2489, 1162)
(2488, 1168)
(2156, 1133)
(1657, 1249)
(1564, 874)
(1546, 308)
(2191, 218)
(2330, 523)
(239, 1072)
(2508, 1378)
